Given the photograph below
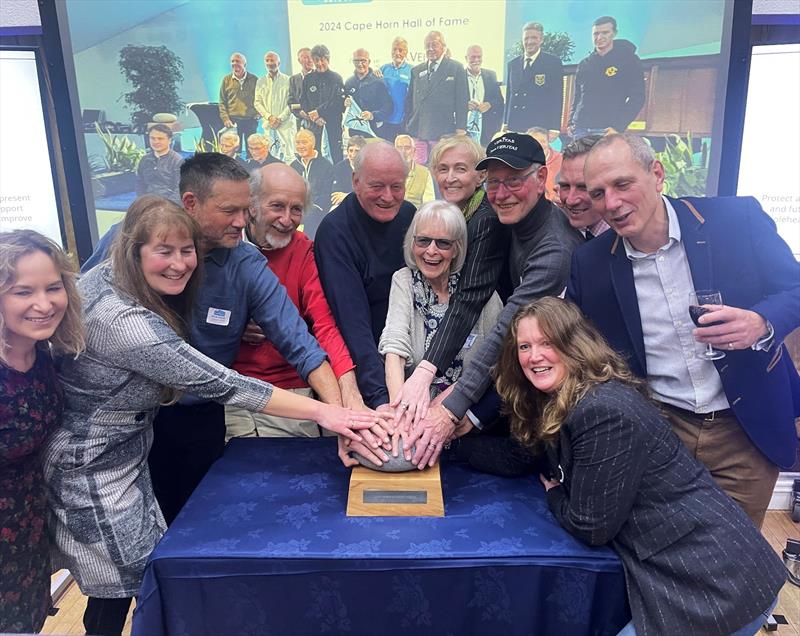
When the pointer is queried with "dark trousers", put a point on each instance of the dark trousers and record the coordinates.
(390, 131)
(334, 129)
(105, 616)
(186, 441)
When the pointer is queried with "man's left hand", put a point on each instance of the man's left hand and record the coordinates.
(484, 106)
(429, 436)
(366, 115)
(740, 328)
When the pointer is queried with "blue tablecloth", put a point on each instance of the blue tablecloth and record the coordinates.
(264, 548)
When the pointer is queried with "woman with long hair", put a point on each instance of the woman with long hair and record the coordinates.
(694, 562)
(104, 516)
(40, 315)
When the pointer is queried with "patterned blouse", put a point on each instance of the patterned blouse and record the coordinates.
(30, 409)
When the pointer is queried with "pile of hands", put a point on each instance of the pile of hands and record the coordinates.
(410, 424)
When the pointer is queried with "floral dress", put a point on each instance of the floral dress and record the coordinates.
(30, 409)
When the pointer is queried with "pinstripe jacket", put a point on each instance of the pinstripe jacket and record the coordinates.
(103, 515)
(694, 563)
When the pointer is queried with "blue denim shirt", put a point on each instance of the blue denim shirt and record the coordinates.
(239, 286)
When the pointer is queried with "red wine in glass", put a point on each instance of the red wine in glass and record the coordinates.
(696, 311)
(698, 305)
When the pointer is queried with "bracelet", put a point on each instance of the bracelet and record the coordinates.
(427, 366)
(449, 414)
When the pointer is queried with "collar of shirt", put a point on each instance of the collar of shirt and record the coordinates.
(673, 235)
(532, 58)
(598, 228)
(241, 81)
(219, 255)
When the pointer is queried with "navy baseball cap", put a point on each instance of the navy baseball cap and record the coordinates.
(516, 150)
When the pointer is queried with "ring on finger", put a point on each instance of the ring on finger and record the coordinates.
(432, 446)
(730, 346)
(404, 405)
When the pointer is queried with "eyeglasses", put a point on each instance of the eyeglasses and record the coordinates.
(425, 241)
(359, 61)
(512, 183)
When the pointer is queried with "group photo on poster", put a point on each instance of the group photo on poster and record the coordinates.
(378, 69)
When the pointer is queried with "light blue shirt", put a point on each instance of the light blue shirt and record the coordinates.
(397, 80)
(663, 283)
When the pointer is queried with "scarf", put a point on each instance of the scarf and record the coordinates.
(433, 312)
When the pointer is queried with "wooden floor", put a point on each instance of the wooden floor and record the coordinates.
(777, 528)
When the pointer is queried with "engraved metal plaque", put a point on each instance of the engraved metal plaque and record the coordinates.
(395, 497)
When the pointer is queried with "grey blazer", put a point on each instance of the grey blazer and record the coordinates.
(436, 105)
(694, 563)
(103, 515)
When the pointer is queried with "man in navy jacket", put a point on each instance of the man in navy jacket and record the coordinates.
(735, 414)
(535, 85)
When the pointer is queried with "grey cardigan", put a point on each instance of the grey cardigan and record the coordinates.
(404, 332)
(103, 516)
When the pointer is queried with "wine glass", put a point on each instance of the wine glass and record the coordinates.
(696, 309)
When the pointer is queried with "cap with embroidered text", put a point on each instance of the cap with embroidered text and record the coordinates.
(516, 150)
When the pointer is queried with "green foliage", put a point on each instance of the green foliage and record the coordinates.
(557, 43)
(154, 72)
(201, 145)
(682, 177)
(122, 155)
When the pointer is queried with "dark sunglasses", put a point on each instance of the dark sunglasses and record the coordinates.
(425, 241)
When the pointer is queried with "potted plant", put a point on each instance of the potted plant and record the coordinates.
(154, 72)
(683, 177)
(116, 173)
(558, 43)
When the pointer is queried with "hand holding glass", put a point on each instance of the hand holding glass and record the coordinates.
(697, 300)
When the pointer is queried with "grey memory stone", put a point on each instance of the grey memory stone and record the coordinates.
(397, 464)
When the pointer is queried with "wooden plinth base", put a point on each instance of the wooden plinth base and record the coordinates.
(417, 493)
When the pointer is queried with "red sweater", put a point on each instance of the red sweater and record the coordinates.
(295, 268)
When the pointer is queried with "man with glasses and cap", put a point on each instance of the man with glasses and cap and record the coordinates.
(542, 241)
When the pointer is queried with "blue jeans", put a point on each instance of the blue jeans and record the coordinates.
(748, 630)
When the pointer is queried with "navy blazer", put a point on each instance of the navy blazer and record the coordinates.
(436, 106)
(694, 563)
(535, 96)
(733, 246)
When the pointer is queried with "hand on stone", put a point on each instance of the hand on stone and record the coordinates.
(411, 404)
(345, 446)
(346, 422)
(429, 437)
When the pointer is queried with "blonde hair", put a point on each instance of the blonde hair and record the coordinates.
(150, 216)
(536, 417)
(455, 141)
(68, 338)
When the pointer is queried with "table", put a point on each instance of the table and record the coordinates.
(263, 547)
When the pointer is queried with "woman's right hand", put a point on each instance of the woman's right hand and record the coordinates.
(346, 422)
(411, 404)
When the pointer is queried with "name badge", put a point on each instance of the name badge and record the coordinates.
(218, 316)
(450, 79)
(471, 338)
(423, 73)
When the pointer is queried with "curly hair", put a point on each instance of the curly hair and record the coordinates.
(536, 417)
(68, 338)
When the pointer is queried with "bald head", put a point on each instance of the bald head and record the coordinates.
(279, 196)
(379, 180)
